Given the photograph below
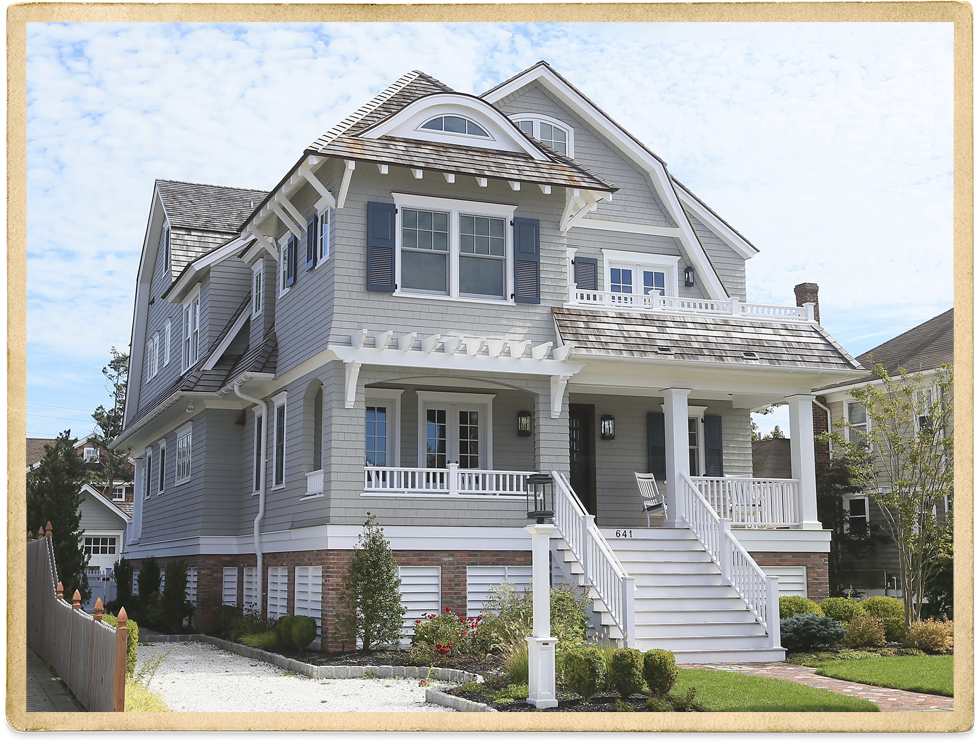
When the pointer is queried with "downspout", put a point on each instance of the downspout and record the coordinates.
(830, 424)
(257, 523)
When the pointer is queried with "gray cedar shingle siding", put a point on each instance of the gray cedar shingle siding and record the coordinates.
(729, 265)
(638, 336)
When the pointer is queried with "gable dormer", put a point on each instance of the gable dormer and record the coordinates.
(456, 119)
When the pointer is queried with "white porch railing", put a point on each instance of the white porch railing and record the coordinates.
(738, 569)
(314, 483)
(451, 481)
(602, 569)
(682, 305)
(752, 502)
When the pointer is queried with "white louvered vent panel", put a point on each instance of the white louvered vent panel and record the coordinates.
(136, 585)
(191, 587)
(250, 592)
(421, 591)
(278, 591)
(792, 580)
(307, 597)
(480, 579)
(229, 586)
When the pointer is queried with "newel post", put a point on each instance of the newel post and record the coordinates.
(725, 551)
(588, 523)
(453, 479)
(541, 645)
(772, 609)
(119, 671)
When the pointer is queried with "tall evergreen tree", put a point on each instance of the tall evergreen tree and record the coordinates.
(53, 497)
(109, 424)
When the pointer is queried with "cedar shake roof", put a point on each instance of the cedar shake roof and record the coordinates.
(639, 336)
(207, 207)
(342, 141)
(126, 507)
(477, 162)
(771, 459)
(920, 349)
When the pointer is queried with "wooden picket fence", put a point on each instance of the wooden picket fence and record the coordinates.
(88, 654)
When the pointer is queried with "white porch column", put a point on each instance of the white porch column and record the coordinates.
(677, 449)
(801, 454)
(541, 645)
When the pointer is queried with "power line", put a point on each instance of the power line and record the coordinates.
(64, 408)
(62, 418)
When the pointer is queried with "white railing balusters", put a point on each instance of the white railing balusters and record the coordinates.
(602, 569)
(452, 481)
(684, 305)
(738, 569)
(752, 502)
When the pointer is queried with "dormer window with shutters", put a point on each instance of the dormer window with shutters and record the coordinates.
(287, 263)
(458, 249)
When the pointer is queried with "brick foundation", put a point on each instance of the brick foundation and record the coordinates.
(334, 562)
(817, 581)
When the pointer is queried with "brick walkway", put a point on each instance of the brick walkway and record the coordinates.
(887, 700)
(46, 693)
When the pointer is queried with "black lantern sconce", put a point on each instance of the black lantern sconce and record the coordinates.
(524, 424)
(540, 497)
(689, 276)
(607, 428)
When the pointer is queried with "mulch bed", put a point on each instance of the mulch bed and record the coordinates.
(568, 702)
(480, 666)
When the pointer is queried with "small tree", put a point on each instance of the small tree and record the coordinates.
(109, 424)
(370, 602)
(148, 581)
(173, 600)
(53, 497)
(904, 461)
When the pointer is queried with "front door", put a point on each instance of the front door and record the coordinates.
(581, 453)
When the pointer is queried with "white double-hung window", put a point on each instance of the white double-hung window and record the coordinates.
(192, 330)
(258, 286)
(553, 133)
(857, 422)
(323, 241)
(182, 464)
(454, 248)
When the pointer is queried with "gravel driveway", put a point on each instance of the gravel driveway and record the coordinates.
(199, 678)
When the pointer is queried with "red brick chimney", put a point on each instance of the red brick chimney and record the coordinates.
(807, 292)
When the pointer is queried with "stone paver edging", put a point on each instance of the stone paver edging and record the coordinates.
(438, 697)
(328, 672)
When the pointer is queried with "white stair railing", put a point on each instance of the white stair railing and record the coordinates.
(601, 568)
(759, 592)
(752, 502)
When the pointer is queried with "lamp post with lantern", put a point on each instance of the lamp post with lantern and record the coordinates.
(541, 645)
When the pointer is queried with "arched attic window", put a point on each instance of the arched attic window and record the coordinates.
(453, 123)
(551, 132)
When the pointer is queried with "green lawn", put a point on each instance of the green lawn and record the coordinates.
(727, 692)
(929, 674)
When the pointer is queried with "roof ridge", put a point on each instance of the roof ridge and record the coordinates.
(208, 184)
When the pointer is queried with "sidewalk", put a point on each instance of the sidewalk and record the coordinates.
(887, 700)
(46, 693)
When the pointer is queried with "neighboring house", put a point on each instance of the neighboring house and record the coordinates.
(772, 458)
(122, 491)
(919, 350)
(445, 294)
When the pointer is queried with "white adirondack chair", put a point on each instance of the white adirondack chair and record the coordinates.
(653, 500)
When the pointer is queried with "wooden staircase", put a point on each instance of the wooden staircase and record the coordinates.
(681, 603)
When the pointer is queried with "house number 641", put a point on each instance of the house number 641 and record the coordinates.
(624, 534)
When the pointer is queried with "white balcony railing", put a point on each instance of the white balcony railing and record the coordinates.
(314, 483)
(752, 502)
(452, 481)
(682, 305)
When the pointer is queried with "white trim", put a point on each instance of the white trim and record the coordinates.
(96, 494)
(235, 329)
(258, 301)
(537, 119)
(283, 245)
(847, 419)
(421, 129)
(278, 400)
(640, 261)
(716, 224)
(185, 431)
(187, 333)
(455, 207)
(323, 248)
(167, 327)
(513, 139)
(392, 399)
(627, 227)
(846, 499)
(454, 403)
(162, 477)
(232, 246)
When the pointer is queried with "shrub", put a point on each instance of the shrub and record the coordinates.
(148, 580)
(508, 617)
(227, 622)
(511, 693)
(370, 604)
(790, 606)
(931, 636)
(891, 611)
(122, 573)
(866, 630)
(445, 635)
(627, 671)
(585, 671)
(132, 640)
(304, 631)
(516, 664)
(284, 633)
(806, 631)
(658, 705)
(659, 671)
(841, 609)
(173, 603)
(684, 703)
(262, 640)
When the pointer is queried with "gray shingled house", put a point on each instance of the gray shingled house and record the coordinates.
(921, 349)
(445, 294)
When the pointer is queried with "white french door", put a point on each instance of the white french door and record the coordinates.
(455, 428)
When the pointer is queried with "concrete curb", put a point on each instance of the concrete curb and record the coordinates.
(438, 697)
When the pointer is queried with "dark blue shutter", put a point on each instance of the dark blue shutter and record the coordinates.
(311, 243)
(290, 261)
(587, 273)
(713, 447)
(527, 261)
(381, 247)
(656, 446)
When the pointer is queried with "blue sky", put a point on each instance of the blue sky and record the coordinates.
(829, 146)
